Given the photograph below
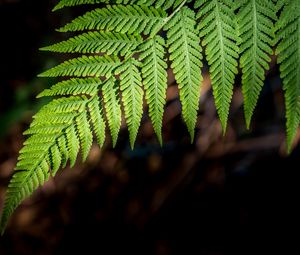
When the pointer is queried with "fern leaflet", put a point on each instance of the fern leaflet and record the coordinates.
(165, 4)
(100, 66)
(74, 86)
(288, 50)
(255, 20)
(69, 3)
(119, 18)
(132, 96)
(97, 119)
(98, 42)
(154, 72)
(112, 107)
(185, 54)
(217, 27)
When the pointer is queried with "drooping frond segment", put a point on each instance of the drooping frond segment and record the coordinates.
(217, 25)
(98, 42)
(255, 20)
(132, 96)
(185, 55)
(112, 107)
(288, 50)
(120, 18)
(99, 66)
(154, 73)
(57, 132)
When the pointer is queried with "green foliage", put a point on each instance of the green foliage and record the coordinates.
(218, 29)
(288, 51)
(99, 66)
(154, 73)
(255, 20)
(98, 42)
(127, 45)
(68, 3)
(112, 107)
(119, 18)
(185, 54)
(132, 96)
(164, 4)
(73, 86)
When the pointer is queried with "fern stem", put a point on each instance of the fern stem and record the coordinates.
(223, 115)
(173, 13)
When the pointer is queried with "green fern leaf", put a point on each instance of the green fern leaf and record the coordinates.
(72, 144)
(97, 119)
(85, 134)
(75, 86)
(112, 107)
(55, 158)
(185, 54)
(154, 73)
(165, 4)
(125, 19)
(63, 148)
(53, 129)
(98, 42)
(288, 50)
(132, 96)
(100, 66)
(69, 3)
(217, 27)
(255, 20)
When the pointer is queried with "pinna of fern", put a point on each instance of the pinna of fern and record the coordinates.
(288, 52)
(126, 49)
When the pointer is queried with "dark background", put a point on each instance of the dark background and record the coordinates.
(235, 194)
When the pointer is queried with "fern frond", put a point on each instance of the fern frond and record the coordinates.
(154, 73)
(100, 66)
(120, 18)
(255, 20)
(74, 86)
(185, 54)
(217, 26)
(98, 42)
(132, 96)
(112, 108)
(128, 52)
(288, 50)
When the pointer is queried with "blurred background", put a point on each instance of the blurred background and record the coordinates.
(232, 194)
